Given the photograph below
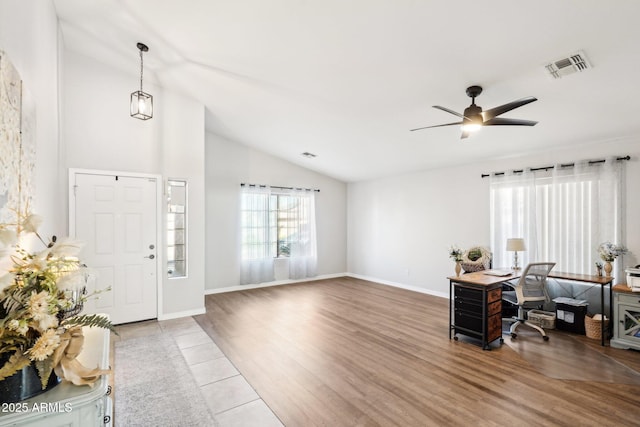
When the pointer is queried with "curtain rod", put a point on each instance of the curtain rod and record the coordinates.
(564, 165)
(275, 186)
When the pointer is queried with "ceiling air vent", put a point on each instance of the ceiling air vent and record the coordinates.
(572, 64)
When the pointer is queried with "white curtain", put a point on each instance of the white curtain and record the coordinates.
(513, 215)
(257, 234)
(303, 259)
(279, 223)
(585, 205)
(562, 215)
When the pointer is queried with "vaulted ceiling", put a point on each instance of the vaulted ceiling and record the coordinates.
(346, 80)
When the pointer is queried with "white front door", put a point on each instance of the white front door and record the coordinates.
(115, 217)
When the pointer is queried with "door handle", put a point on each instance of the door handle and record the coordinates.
(152, 256)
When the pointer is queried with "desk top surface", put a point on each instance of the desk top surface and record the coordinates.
(481, 278)
(602, 280)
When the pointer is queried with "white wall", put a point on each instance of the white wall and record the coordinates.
(400, 228)
(228, 165)
(183, 158)
(29, 35)
(99, 134)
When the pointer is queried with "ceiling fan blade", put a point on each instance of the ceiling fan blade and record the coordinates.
(495, 112)
(437, 126)
(449, 111)
(500, 121)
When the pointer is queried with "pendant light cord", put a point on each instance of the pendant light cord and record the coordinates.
(141, 70)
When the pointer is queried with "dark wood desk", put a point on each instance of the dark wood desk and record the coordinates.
(485, 283)
(593, 280)
(475, 306)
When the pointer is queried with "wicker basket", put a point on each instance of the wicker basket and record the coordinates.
(544, 319)
(593, 328)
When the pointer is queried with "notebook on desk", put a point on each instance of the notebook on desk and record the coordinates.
(499, 273)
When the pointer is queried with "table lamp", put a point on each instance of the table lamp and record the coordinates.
(516, 245)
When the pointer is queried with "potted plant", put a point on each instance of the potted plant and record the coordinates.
(455, 253)
(608, 253)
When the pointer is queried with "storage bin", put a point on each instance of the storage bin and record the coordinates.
(570, 318)
(544, 319)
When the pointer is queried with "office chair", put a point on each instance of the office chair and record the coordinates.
(529, 292)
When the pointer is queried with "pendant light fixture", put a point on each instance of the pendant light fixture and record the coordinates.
(141, 102)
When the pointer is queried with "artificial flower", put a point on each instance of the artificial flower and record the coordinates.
(20, 326)
(455, 253)
(45, 345)
(35, 312)
(609, 252)
(31, 223)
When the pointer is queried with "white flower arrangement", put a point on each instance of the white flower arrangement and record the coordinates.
(455, 253)
(609, 252)
(41, 296)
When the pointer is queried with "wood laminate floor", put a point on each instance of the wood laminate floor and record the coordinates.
(346, 352)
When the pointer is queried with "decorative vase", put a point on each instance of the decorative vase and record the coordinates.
(458, 268)
(607, 269)
(24, 384)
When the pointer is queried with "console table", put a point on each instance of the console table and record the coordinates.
(67, 404)
(477, 306)
(592, 280)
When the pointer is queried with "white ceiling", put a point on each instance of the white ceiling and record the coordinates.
(347, 79)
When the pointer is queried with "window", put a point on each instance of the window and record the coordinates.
(562, 215)
(176, 228)
(276, 223)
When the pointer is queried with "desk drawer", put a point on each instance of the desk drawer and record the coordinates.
(494, 295)
(495, 308)
(471, 306)
(471, 321)
(468, 294)
(629, 298)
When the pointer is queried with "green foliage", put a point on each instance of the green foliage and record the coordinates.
(16, 362)
(91, 320)
(44, 367)
(475, 254)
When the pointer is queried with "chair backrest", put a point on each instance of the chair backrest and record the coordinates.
(532, 283)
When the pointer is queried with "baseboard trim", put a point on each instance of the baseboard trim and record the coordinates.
(399, 285)
(179, 314)
(327, 276)
(269, 284)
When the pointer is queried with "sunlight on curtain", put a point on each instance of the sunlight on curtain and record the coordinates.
(513, 215)
(258, 236)
(303, 259)
(277, 223)
(563, 215)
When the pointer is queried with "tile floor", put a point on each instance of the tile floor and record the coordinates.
(231, 399)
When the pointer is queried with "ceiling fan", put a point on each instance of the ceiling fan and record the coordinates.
(474, 118)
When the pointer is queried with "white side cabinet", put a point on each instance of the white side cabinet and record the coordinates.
(626, 318)
(68, 404)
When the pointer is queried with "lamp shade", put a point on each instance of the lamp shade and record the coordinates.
(516, 245)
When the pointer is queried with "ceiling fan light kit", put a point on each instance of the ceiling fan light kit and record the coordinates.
(474, 118)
